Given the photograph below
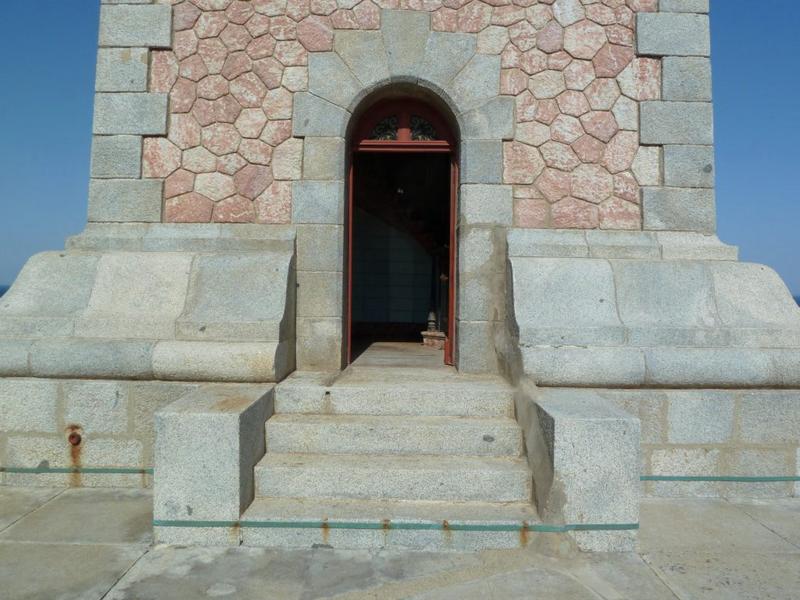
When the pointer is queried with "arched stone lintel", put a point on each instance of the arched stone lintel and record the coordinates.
(404, 52)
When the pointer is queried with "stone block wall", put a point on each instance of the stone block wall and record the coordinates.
(126, 109)
(743, 437)
(236, 73)
(114, 420)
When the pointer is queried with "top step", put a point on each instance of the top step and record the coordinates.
(392, 394)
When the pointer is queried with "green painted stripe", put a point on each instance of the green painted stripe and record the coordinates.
(389, 525)
(150, 470)
(731, 478)
(87, 470)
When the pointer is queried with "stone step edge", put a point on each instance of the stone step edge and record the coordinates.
(389, 420)
(413, 461)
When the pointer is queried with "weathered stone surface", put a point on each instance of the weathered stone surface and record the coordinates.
(481, 161)
(571, 366)
(314, 116)
(696, 6)
(689, 166)
(477, 82)
(319, 293)
(28, 405)
(320, 247)
(700, 417)
(181, 491)
(580, 291)
(90, 358)
(99, 407)
(124, 200)
(493, 120)
(246, 295)
(331, 79)
(131, 113)
(128, 25)
(221, 361)
(116, 156)
(585, 485)
(679, 209)
(136, 296)
(323, 158)
(686, 78)
(404, 34)
(365, 55)
(750, 295)
(121, 70)
(672, 34)
(318, 202)
(445, 55)
(664, 294)
(486, 204)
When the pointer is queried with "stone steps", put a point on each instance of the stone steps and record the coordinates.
(373, 524)
(409, 397)
(421, 477)
(393, 435)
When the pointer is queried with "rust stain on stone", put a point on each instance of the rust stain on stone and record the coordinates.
(234, 533)
(326, 531)
(386, 525)
(447, 532)
(523, 535)
(75, 441)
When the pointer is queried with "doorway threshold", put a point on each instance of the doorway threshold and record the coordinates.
(402, 355)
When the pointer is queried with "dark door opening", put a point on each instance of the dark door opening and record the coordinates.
(400, 248)
(401, 236)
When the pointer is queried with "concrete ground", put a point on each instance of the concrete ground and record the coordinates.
(95, 543)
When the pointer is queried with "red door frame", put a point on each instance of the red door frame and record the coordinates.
(403, 109)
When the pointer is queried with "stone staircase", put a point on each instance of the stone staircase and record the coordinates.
(409, 458)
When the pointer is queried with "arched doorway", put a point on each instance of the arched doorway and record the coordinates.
(401, 238)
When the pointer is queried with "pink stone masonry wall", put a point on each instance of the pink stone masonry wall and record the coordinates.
(570, 65)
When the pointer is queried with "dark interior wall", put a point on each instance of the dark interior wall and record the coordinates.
(394, 274)
(400, 236)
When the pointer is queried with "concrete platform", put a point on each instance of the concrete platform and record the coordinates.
(698, 549)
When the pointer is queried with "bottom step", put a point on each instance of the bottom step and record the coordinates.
(373, 524)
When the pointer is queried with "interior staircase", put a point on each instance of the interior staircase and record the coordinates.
(386, 456)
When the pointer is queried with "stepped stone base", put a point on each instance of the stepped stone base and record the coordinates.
(155, 302)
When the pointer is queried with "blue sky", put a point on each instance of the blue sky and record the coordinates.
(46, 110)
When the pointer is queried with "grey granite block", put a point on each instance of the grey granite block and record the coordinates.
(121, 70)
(686, 78)
(677, 123)
(679, 209)
(116, 157)
(123, 200)
(689, 166)
(672, 34)
(148, 25)
(134, 113)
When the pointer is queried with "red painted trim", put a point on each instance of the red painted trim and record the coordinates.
(402, 109)
(349, 298)
(449, 342)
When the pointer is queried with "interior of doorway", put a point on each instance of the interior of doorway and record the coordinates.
(400, 249)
